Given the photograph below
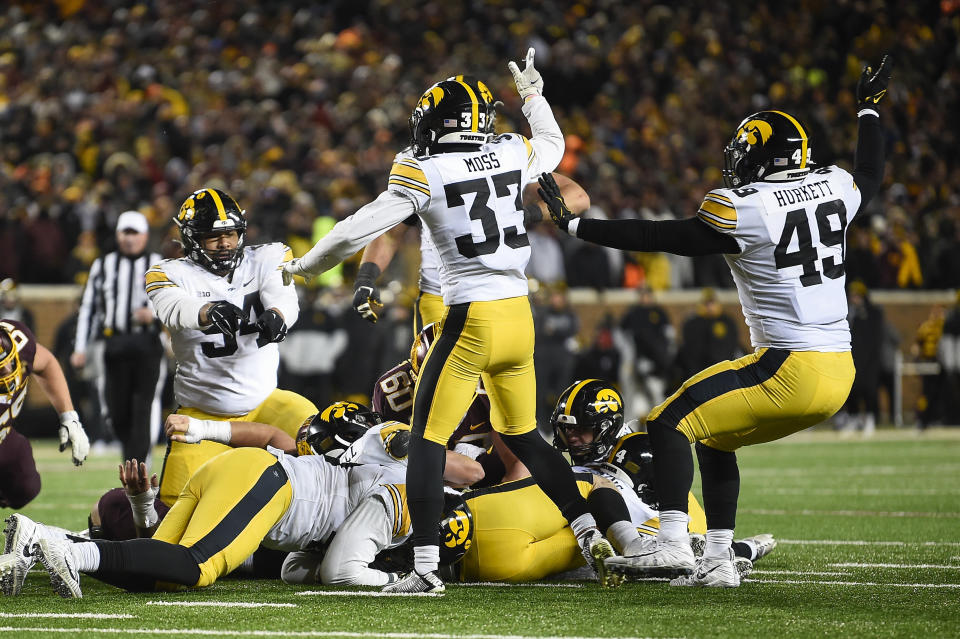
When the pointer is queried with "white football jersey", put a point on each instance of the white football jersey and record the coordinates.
(228, 376)
(430, 264)
(323, 495)
(384, 445)
(789, 273)
(471, 204)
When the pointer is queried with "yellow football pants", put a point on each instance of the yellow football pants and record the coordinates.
(226, 509)
(284, 409)
(758, 398)
(428, 309)
(492, 341)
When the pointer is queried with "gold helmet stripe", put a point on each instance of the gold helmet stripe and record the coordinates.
(222, 212)
(803, 137)
(573, 393)
(474, 102)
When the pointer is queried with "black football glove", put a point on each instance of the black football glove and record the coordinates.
(550, 193)
(872, 85)
(366, 295)
(226, 317)
(271, 327)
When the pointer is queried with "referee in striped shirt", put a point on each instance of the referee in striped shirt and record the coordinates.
(115, 308)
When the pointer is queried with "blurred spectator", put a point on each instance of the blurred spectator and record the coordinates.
(309, 354)
(710, 335)
(602, 359)
(861, 410)
(950, 359)
(652, 337)
(10, 306)
(889, 354)
(926, 349)
(556, 327)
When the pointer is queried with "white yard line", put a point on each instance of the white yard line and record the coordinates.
(848, 583)
(222, 604)
(202, 632)
(851, 513)
(500, 584)
(857, 565)
(63, 615)
(845, 542)
(760, 571)
(367, 593)
(818, 471)
(858, 492)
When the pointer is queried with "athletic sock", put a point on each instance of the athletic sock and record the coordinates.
(673, 526)
(622, 533)
(86, 556)
(718, 542)
(426, 559)
(581, 525)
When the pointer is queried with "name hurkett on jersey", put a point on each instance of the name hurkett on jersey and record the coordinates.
(803, 193)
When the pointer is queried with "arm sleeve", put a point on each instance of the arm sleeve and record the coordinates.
(868, 162)
(689, 237)
(273, 293)
(175, 308)
(87, 310)
(364, 533)
(546, 142)
(353, 233)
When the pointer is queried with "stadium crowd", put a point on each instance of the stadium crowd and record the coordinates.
(298, 111)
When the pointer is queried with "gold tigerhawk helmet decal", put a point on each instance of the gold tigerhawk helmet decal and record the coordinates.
(458, 531)
(337, 410)
(756, 132)
(607, 401)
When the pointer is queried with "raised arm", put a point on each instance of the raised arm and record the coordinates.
(546, 141)
(376, 258)
(869, 160)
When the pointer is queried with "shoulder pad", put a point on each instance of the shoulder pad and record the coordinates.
(719, 210)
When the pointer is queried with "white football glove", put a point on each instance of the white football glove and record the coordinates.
(290, 269)
(72, 434)
(529, 82)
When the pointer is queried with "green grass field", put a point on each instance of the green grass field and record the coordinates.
(869, 536)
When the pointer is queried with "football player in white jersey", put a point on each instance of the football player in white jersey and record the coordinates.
(781, 227)
(225, 307)
(466, 187)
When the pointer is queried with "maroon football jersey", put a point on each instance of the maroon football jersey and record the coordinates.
(11, 405)
(393, 399)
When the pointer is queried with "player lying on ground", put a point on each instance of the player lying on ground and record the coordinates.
(588, 424)
(237, 501)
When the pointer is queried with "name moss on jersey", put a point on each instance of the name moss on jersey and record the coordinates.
(224, 375)
(789, 273)
(471, 204)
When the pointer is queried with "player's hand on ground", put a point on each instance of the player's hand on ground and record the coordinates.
(550, 193)
(271, 327)
(135, 480)
(226, 317)
(366, 302)
(72, 434)
(872, 86)
(529, 82)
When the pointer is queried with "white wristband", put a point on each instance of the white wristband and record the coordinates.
(863, 112)
(209, 429)
(69, 416)
(572, 226)
(144, 514)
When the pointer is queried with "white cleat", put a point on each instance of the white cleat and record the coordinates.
(665, 559)
(697, 544)
(642, 544)
(55, 556)
(20, 534)
(712, 572)
(764, 544)
(744, 567)
(413, 582)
